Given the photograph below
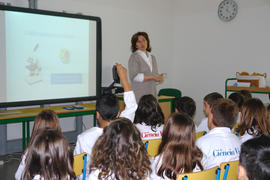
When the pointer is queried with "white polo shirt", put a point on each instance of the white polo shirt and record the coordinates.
(203, 125)
(219, 145)
(87, 139)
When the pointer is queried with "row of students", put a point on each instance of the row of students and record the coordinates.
(120, 154)
(221, 117)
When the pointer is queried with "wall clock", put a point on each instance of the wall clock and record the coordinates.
(227, 10)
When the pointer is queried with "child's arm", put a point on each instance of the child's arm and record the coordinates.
(129, 96)
(122, 73)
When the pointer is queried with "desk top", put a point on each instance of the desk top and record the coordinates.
(251, 89)
(32, 112)
(120, 97)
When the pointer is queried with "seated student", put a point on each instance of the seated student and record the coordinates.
(119, 153)
(208, 101)
(253, 120)
(177, 152)
(45, 119)
(149, 118)
(254, 159)
(246, 94)
(239, 100)
(49, 157)
(220, 144)
(186, 105)
(107, 110)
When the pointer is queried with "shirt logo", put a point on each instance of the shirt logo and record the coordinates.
(227, 152)
(151, 134)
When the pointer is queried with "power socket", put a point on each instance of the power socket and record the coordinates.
(1, 162)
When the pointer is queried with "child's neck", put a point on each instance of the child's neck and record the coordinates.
(103, 123)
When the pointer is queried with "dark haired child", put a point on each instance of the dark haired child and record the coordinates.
(254, 121)
(246, 94)
(107, 109)
(220, 144)
(208, 101)
(119, 153)
(49, 157)
(254, 159)
(45, 119)
(149, 118)
(177, 151)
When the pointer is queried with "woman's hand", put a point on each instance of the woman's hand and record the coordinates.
(157, 78)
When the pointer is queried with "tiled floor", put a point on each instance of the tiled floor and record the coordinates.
(11, 163)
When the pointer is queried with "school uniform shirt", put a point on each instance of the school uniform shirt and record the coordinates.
(247, 136)
(147, 133)
(155, 165)
(18, 174)
(219, 145)
(203, 125)
(38, 177)
(87, 139)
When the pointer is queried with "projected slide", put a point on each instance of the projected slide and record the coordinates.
(48, 57)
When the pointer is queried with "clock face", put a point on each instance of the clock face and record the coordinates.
(227, 10)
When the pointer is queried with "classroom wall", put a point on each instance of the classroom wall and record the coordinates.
(206, 50)
(196, 49)
(120, 20)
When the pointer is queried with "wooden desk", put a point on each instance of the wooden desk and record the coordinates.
(250, 89)
(165, 102)
(26, 115)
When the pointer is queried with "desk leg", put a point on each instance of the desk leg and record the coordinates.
(28, 131)
(23, 136)
(95, 120)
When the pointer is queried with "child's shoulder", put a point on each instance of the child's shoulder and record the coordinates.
(91, 132)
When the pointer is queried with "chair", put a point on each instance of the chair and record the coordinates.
(199, 134)
(210, 174)
(170, 92)
(79, 164)
(235, 129)
(152, 146)
(229, 170)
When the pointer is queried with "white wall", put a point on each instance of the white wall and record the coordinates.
(195, 48)
(206, 50)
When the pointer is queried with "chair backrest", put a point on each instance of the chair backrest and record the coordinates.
(209, 174)
(199, 134)
(170, 92)
(79, 164)
(229, 170)
(235, 129)
(152, 146)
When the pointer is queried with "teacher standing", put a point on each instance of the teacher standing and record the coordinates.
(142, 66)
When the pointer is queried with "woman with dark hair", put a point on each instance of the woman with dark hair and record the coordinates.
(49, 157)
(45, 119)
(177, 151)
(254, 121)
(149, 118)
(142, 66)
(119, 154)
